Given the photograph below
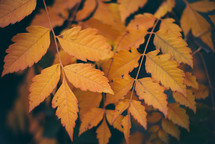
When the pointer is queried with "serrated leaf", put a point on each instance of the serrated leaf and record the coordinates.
(172, 43)
(152, 93)
(165, 70)
(43, 84)
(85, 44)
(138, 112)
(203, 6)
(91, 119)
(103, 133)
(12, 11)
(66, 59)
(85, 77)
(188, 101)
(120, 108)
(124, 62)
(178, 115)
(170, 128)
(192, 20)
(121, 87)
(127, 7)
(67, 107)
(135, 32)
(27, 49)
(117, 123)
(201, 93)
(164, 8)
(126, 123)
(190, 80)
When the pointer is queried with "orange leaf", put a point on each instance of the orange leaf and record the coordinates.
(67, 107)
(103, 133)
(154, 117)
(43, 84)
(12, 11)
(85, 77)
(152, 93)
(164, 8)
(120, 108)
(117, 123)
(27, 49)
(126, 123)
(201, 93)
(170, 128)
(190, 80)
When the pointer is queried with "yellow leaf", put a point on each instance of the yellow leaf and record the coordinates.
(65, 58)
(152, 93)
(171, 42)
(121, 87)
(91, 119)
(67, 107)
(117, 123)
(203, 6)
(178, 115)
(154, 117)
(165, 70)
(163, 136)
(192, 20)
(124, 62)
(85, 77)
(170, 128)
(164, 8)
(188, 101)
(87, 100)
(88, 8)
(135, 32)
(103, 133)
(120, 108)
(12, 11)
(43, 84)
(138, 112)
(126, 123)
(190, 80)
(201, 93)
(127, 7)
(27, 49)
(85, 44)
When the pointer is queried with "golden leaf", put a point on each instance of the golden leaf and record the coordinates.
(203, 6)
(65, 58)
(201, 93)
(163, 136)
(12, 11)
(188, 101)
(154, 128)
(190, 80)
(124, 62)
(178, 115)
(136, 138)
(154, 117)
(43, 84)
(27, 49)
(137, 110)
(164, 8)
(85, 44)
(85, 77)
(117, 123)
(165, 70)
(152, 93)
(91, 119)
(126, 123)
(67, 107)
(121, 87)
(170, 128)
(103, 133)
(127, 7)
(169, 40)
(120, 108)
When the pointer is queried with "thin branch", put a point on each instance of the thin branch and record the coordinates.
(196, 51)
(205, 32)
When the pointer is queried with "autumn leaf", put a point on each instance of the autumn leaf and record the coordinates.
(65, 58)
(178, 115)
(192, 20)
(165, 70)
(188, 101)
(137, 110)
(43, 84)
(117, 123)
(91, 119)
(127, 7)
(12, 11)
(164, 8)
(126, 123)
(190, 80)
(170, 128)
(103, 133)
(67, 107)
(201, 93)
(85, 44)
(163, 136)
(27, 49)
(152, 93)
(154, 117)
(169, 40)
(120, 108)
(85, 77)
